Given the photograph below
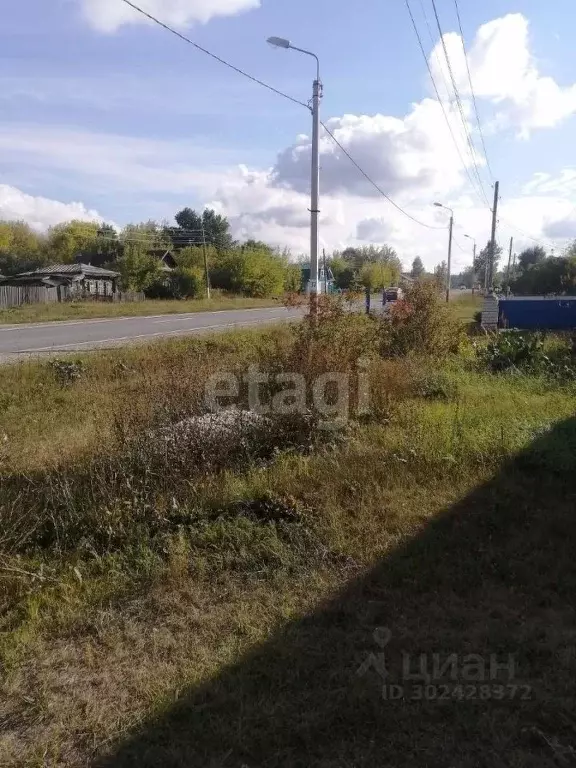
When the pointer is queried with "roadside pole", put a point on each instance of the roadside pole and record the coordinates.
(509, 265)
(489, 269)
(449, 265)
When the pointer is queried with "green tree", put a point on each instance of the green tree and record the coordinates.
(344, 273)
(417, 268)
(531, 256)
(193, 226)
(72, 241)
(251, 273)
(483, 260)
(440, 275)
(20, 248)
(554, 275)
(292, 278)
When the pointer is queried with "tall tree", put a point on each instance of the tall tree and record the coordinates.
(531, 256)
(483, 261)
(417, 268)
(440, 274)
(20, 248)
(193, 227)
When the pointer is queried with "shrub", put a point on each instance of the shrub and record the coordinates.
(183, 283)
(67, 371)
(528, 353)
(421, 323)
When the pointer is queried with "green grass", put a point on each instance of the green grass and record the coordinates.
(466, 305)
(87, 310)
(206, 617)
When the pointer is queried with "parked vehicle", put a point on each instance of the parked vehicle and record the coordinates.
(393, 294)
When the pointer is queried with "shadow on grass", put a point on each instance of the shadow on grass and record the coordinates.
(494, 576)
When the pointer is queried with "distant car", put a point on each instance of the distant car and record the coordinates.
(463, 288)
(393, 294)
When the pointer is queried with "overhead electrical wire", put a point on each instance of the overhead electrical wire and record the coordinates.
(374, 184)
(276, 91)
(213, 55)
(478, 122)
(444, 112)
(469, 139)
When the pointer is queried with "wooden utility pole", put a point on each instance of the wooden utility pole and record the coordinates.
(509, 265)
(489, 270)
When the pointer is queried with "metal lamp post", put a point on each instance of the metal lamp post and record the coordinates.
(449, 265)
(280, 42)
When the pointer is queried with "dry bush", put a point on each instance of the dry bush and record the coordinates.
(421, 324)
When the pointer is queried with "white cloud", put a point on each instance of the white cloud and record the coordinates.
(110, 15)
(504, 71)
(127, 162)
(413, 156)
(40, 212)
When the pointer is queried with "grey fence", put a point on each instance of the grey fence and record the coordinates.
(16, 295)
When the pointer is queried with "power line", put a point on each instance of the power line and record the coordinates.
(480, 131)
(459, 102)
(437, 92)
(374, 184)
(213, 55)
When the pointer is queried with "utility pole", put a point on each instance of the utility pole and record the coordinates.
(509, 265)
(489, 270)
(206, 271)
(449, 265)
(315, 192)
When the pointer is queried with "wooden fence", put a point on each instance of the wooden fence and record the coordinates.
(17, 295)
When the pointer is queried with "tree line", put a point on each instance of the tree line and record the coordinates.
(250, 268)
(533, 273)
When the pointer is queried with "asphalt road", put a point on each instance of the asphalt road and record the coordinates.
(78, 335)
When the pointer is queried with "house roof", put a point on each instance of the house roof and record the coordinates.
(69, 270)
(165, 256)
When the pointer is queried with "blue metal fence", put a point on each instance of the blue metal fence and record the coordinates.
(555, 314)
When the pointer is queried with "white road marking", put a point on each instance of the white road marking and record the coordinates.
(175, 316)
(57, 347)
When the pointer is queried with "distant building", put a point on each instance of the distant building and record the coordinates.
(75, 280)
(325, 279)
(166, 259)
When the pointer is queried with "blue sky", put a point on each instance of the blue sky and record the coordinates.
(133, 123)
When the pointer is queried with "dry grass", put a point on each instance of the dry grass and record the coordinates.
(227, 622)
(87, 310)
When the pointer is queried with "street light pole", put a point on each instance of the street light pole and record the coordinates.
(449, 265)
(280, 42)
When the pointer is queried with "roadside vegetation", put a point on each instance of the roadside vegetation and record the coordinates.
(182, 589)
(87, 310)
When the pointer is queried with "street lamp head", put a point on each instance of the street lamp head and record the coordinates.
(279, 42)
(439, 205)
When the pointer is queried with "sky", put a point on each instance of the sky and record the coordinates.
(106, 116)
